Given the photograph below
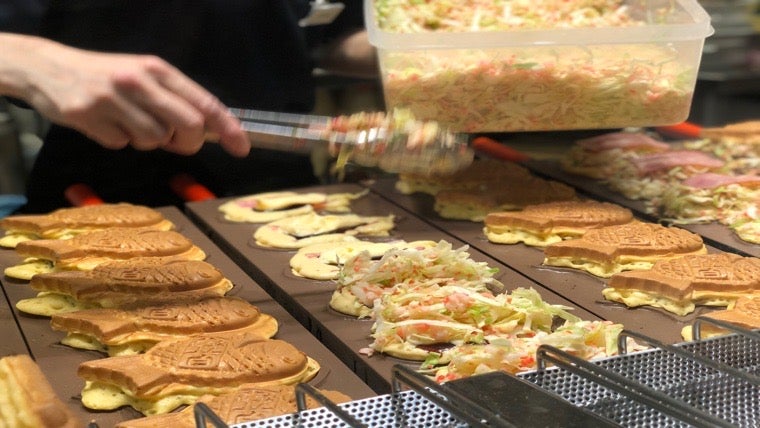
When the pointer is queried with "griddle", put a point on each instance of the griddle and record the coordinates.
(24, 333)
(308, 300)
(715, 234)
(582, 289)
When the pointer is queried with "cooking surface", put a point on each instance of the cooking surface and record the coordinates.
(582, 289)
(308, 299)
(263, 277)
(714, 234)
(59, 362)
(13, 340)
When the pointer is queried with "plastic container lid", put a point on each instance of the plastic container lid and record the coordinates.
(687, 21)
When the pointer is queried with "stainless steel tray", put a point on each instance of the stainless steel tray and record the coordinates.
(703, 383)
(708, 383)
(510, 402)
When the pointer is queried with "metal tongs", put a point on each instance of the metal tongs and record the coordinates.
(416, 147)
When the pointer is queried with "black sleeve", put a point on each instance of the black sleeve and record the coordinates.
(247, 52)
(21, 16)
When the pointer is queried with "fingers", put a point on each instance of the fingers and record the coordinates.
(127, 99)
(157, 118)
(170, 111)
(231, 135)
(109, 134)
(216, 118)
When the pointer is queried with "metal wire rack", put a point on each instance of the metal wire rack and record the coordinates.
(705, 383)
(712, 382)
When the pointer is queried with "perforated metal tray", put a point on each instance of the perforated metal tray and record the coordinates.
(494, 399)
(704, 383)
(710, 382)
(380, 411)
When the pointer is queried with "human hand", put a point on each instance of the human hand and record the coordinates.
(124, 99)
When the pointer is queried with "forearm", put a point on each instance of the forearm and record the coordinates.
(115, 99)
(20, 56)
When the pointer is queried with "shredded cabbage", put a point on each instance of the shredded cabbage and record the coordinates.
(485, 331)
(534, 88)
(397, 142)
(748, 230)
(584, 339)
(541, 87)
(440, 296)
(633, 185)
(414, 16)
(733, 205)
(742, 156)
(369, 279)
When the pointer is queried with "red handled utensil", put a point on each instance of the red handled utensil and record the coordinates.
(681, 130)
(185, 186)
(80, 194)
(497, 150)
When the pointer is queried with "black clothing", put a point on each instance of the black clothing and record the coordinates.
(243, 51)
(249, 53)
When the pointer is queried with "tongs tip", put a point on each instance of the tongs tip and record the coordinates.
(394, 142)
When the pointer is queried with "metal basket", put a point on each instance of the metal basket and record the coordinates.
(703, 383)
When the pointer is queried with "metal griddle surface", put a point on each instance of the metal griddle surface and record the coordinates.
(59, 362)
(308, 300)
(582, 289)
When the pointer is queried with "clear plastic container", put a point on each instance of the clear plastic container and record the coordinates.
(556, 79)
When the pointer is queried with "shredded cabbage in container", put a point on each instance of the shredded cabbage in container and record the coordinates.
(541, 88)
(414, 16)
(531, 88)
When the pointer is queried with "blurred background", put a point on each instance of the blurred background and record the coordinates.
(728, 87)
